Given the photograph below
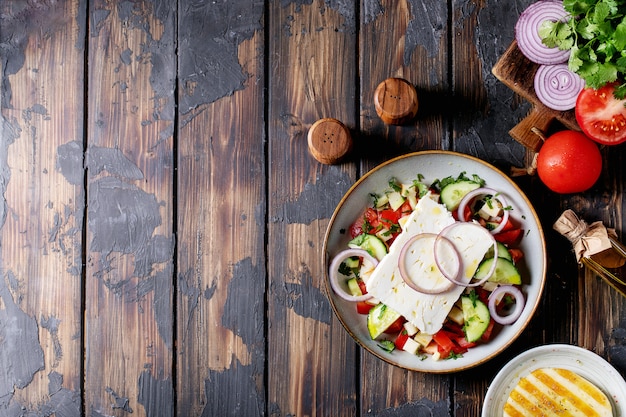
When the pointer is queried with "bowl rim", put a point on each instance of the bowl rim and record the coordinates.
(454, 154)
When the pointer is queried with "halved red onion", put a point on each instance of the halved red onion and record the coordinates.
(527, 32)
(519, 303)
(333, 273)
(406, 274)
(476, 228)
(467, 199)
(557, 87)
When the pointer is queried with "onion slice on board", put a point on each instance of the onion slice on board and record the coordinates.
(527, 32)
(417, 260)
(473, 230)
(557, 87)
(519, 303)
(333, 273)
(467, 199)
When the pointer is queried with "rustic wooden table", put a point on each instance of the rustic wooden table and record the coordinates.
(162, 220)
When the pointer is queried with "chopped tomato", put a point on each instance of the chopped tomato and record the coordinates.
(356, 228)
(396, 326)
(463, 343)
(445, 345)
(363, 307)
(405, 209)
(389, 217)
(401, 339)
(509, 237)
(371, 216)
(516, 254)
(601, 116)
(487, 334)
(362, 286)
(467, 213)
(508, 226)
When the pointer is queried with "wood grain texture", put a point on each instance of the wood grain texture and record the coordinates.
(129, 160)
(221, 212)
(42, 207)
(312, 75)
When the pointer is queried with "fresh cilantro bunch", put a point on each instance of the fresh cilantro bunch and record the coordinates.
(596, 36)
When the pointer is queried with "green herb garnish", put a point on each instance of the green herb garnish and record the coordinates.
(595, 34)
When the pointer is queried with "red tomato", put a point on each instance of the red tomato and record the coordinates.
(396, 326)
(569, 162)
(389, 217)
(601, 116)
(356, 228)
(363, 307)
(516, 254)
(510, 237)
(401, 340)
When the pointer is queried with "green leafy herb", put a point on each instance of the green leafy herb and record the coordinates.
(386, 345)
(595, 34)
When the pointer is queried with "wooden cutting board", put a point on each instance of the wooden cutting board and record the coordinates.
(518, 73)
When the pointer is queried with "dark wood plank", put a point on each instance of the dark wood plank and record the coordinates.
(406, 39)
(130, 243)
(311, 359)
(221, 210)
(41, 206)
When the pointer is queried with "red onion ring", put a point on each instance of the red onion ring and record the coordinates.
(455, 279)
(527, 32)
(404, 273)
(467, 198)
(333, 273)
(557, 87)
(519, 304)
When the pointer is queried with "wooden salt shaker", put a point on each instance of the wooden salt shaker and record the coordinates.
(395, 100)
(329, 141)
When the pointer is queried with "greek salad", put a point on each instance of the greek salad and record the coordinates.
(433, 268)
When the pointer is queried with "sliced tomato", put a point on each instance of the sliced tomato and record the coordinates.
(509, 237)
(601, 116)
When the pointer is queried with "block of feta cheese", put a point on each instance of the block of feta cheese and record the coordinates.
(426, 311)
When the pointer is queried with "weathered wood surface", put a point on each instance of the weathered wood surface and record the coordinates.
(162, 221)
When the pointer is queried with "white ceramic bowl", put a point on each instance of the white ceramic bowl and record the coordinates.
(437, 165)
(582, 361)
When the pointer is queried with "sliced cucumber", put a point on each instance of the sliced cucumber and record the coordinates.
(505, 272)
(352, 262)
(379, 319)
(370, 243)
(503, 252)
(476, 316)
(354, 288)
(452, 194)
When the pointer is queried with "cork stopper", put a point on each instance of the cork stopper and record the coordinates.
(329, 140)
(396, 101)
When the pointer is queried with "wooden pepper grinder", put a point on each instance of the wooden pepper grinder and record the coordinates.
(395, 100)
(329, 140)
